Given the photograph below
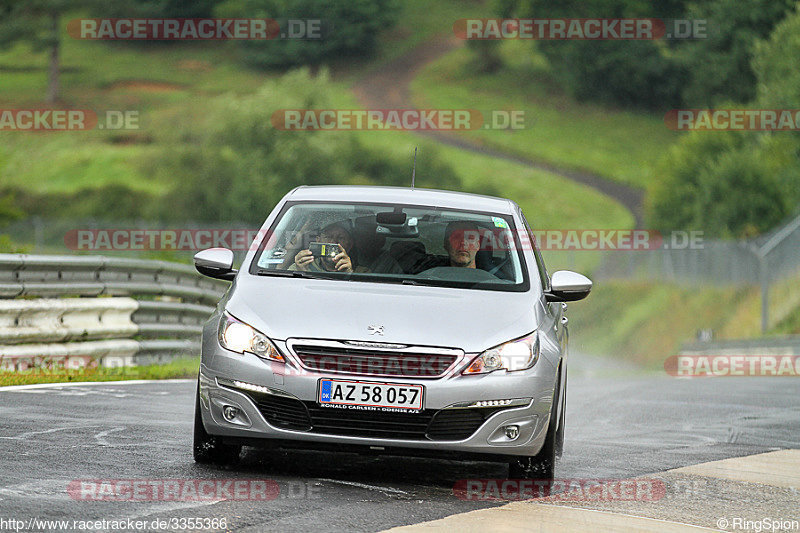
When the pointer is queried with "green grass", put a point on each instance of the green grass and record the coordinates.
(69, 161)
(175, 369)
(151, 80)
(620, 145)
(165, 83)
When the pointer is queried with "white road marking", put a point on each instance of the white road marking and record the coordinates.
(101, 437)
(365, 486)
(24, 436)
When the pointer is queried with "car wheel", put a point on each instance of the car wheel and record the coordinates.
(209, 449)
(542, 465)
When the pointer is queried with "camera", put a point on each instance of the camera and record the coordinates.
(324, 249)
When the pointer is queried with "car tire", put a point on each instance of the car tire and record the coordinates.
(209, 449)
(542, 465)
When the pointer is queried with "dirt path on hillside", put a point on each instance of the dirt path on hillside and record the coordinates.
(388, 87)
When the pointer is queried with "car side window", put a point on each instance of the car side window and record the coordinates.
(543, 277)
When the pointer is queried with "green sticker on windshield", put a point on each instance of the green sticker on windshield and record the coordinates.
(499, 222)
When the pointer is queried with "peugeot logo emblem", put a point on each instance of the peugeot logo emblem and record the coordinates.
(375, 330)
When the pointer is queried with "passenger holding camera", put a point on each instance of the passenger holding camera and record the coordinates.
(338, 261)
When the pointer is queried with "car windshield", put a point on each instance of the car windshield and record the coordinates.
(394, 244)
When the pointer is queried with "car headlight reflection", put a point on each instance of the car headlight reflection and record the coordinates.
(520, 354)
(237, 336)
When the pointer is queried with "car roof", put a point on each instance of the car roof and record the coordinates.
(402, 195)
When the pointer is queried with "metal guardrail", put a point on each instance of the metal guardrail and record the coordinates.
(785, 345)
(763, 262)
(72, 310)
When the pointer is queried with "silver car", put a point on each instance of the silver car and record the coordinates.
(388, 320)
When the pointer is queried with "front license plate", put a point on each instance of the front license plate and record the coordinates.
(370, 394)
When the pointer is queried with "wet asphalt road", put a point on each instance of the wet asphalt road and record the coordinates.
(620, 424)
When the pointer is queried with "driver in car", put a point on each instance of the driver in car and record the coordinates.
(462, 242)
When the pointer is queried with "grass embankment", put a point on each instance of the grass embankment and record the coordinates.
(641, 322)
(176, 369)
(620, 145)
(166, 82)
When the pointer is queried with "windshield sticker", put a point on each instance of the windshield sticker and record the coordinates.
(499, 222)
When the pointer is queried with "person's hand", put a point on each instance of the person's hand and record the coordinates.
(342, 262)
(303, 259)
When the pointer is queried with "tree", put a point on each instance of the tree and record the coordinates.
(161, 9)
(720, 65)
(775, 64)
(38, 22)
(739, 184)
(630, 73)
(729, 184)
(349, 28)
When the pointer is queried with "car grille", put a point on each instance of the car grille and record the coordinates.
(282, 412)
(427, 424)
(377, 424)
(457, 424)
(351, 360)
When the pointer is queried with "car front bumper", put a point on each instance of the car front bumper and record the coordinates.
(220, 368)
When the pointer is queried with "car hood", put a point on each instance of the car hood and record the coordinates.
(472, 320)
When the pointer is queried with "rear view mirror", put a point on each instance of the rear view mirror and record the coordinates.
(395, 224)
(215, 263)
(391, 218)
(568, 286)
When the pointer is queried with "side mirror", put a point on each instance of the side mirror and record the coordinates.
(568, 286)
(215, 263)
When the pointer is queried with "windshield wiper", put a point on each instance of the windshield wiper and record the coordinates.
(285, 273)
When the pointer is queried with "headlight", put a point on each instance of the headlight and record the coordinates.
(237, 336)
(520, 354)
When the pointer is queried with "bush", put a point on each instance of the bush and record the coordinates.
(349, 28)
(109, 201)
(775, 64)
(733, 183)
(157, 8)
(727, 184)
(485, 56)
(656, 74)
(233, 165)
(627, 73)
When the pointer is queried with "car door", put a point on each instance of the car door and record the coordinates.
(555, 311)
